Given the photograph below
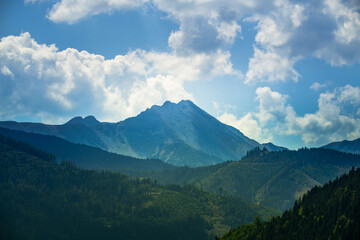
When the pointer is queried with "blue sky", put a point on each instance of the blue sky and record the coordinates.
(281, 71)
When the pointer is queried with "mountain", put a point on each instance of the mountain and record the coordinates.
(41, 199)
(85, 156)
(180, 134)
(328, 212)
(273, 179)
(169, 131)
(345, 146)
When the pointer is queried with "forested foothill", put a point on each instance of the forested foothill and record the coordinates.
(328, 212)
(41, 199)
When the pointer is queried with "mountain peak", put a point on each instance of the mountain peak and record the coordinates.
(181, 103)
(186, 102)
(170, 107)
(91, 120)
(75, 120)
(88, 121)
(167, 103)
(181, 110)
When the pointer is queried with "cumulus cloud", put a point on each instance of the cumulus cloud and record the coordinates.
(337, 117)
(269, 66)
(272, 106)
(332, 121)
(247, 125)
(46, 82)
(294, 30)
(193, 66)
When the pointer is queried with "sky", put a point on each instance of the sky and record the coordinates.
(285, 71)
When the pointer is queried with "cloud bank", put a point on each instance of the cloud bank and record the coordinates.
(287, 30)
(337, 117)
(52, 84)
(328, 30)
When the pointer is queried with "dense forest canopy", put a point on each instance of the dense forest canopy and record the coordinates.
(41, 199)
(328, 212)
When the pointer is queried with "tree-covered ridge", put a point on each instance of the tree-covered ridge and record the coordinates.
(86, 156)
(41, 199)
(328, 212)
(273, 179)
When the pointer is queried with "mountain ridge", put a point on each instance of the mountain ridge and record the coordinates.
(345, 146)
(180, 134)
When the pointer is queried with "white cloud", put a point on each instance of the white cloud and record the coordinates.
(349, 94)
(271, 105)
(207, 26)
(193, 66)
(317, 86)
(348, 20)
(328, 30)
(247, 125)
(71, 11)
(204, 25)
(49, 83)
(6, 71)
(332, 121)
(337, 117)
(270, 67)
(287, 31)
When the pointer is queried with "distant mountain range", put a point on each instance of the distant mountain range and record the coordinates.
(180, 134)
(345, 146)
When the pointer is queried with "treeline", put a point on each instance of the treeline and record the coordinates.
(41, 199)
(328, 212)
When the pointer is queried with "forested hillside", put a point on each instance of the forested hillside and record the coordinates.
(328, 212)
(86, 156)
(41, 199)
(273, 179)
